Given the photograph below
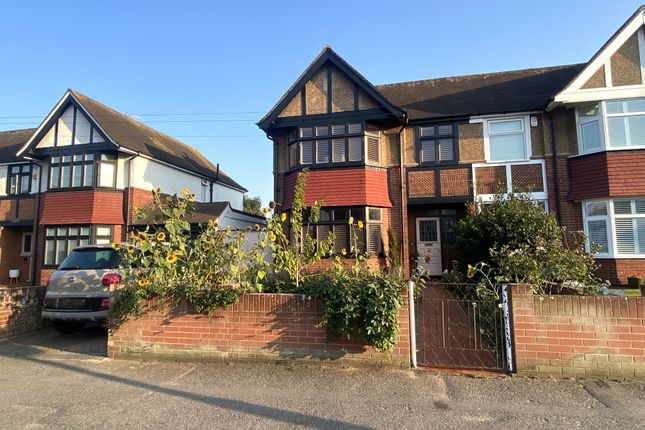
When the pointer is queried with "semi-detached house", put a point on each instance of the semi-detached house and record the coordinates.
(80, 177)
(407, 156)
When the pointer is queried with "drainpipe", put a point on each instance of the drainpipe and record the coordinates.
(124, 234)
(404, 222)
(412, 325)
(555, 168)
(34, 229)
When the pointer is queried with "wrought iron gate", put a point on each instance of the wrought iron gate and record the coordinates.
(458, 328)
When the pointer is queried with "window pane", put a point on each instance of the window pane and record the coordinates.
(78, 157)
(636, 126)
(106, 174)
(84, 242)
(626, 106)
(510, 126)
(596, 208)
(306, 132)
(374, 214)
(322, 151)
(55, 160)
(340, 214)
(338, 150)
(617, 131)
(306, 153)
(507, 147)
(49, 252)
(340, 238)
(61, 231)
(373, 153)
(71, 244)
(89, 175)
(73, 231)
(24, 184)
(590, 132)
(107, 157)
(76, 175)
(65, 176)
(50, 232)
(89, 157)
(85, 231)
(640, 206)
(445, 130)
(26, 243)
(355, 148)
(355, 128)
(293, 155)
(103, 231)
(374, 238)
(598, 235)
(322, 130)
(426, 131)
(446, 152)
(60, 251)
(625, 236)
(15, 169)
(427, 151)
(338, 129)
(53, 176)
(622, 207)
(67, 158)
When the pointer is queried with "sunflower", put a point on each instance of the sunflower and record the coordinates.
(273, 237)
(185, 192)
(343, 251)
(116, 245)
(257, 227)
(143, 282)
(360, 224)
(247, 229)
(130, 248)
(171, 258)
(272, 204)
(351, 220)
(337, 258)
(161, 236)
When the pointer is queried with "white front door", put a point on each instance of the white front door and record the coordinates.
(429, 245)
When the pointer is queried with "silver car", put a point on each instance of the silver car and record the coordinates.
(78, 292)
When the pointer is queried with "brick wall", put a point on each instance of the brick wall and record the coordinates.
(579, 336)
(20, 310)
(617, 271)
(260, 327)
(10, 258)
(607, 174)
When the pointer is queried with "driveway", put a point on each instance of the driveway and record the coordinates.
(64, 381)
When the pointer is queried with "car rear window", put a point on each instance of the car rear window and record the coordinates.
(91, 259)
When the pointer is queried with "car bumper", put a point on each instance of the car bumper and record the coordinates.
(75, 315)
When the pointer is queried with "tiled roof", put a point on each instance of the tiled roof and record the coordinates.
(490, 93)
(10, 143)
(138, 137)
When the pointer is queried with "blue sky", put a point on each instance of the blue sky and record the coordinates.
(168, 61)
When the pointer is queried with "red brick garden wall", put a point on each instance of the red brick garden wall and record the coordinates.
(260, 327)
(20, 310)
(579, 335)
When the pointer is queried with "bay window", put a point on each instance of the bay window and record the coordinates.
(611, 124)
(336, 220)
(61, 240)
(82, 170)
(335, 144)
(616, 227)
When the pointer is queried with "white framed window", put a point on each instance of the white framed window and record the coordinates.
(616, 227)
(507, 139)
(611, 125)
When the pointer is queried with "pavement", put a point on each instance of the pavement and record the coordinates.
(64, 381)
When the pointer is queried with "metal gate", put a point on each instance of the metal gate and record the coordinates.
(458, 328)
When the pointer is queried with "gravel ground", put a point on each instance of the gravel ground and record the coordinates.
(64, 381)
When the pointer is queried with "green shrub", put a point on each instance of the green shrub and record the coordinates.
(512, 239)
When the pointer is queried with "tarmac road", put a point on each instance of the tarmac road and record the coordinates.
(49, 380)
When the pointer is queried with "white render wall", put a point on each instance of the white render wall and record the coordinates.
(3, 180)
(148, 175)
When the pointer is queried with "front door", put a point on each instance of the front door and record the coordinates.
(429, 245)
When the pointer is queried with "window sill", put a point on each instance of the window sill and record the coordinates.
(28, 254)
(620, 257)
(624, 148)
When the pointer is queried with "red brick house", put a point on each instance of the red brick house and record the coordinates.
(80, 176)
(407, 156)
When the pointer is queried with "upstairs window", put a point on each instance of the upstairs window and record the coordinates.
(611, 125)
(507, 139)
(80, 171)
(329, 145)
(19, 179)
(436, 143)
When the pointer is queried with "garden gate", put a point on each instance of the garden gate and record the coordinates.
(458, 328)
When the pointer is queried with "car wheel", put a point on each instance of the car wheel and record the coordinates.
(68, 326)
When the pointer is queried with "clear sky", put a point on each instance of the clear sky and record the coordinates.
(170, 61)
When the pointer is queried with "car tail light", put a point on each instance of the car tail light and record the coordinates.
(110, 279)
(105, 303)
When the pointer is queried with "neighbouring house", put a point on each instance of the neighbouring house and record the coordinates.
(407, 156)
(80, 177)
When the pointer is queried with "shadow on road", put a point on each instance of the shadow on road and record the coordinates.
(90, 342)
